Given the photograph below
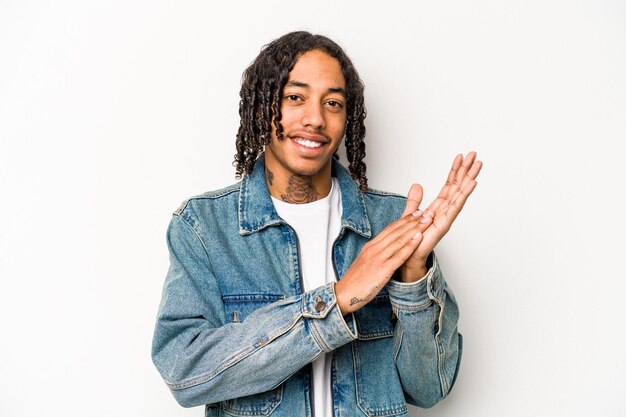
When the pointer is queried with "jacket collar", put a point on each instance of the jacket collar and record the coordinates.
(256, 210)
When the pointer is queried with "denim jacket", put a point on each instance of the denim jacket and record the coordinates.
(236, 332)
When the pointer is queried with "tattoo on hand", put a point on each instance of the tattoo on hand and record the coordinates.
(270, 176)
(373, 291)
(300, 190)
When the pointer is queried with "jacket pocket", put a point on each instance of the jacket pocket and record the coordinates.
(237, 308)
(374, 319)
(256, 405)
(378, 388)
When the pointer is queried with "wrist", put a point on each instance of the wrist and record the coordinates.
(415, 269)
(413, 273)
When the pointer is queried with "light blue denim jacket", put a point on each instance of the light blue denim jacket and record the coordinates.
(236, 332)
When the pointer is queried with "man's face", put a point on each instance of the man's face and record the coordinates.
(313, 107)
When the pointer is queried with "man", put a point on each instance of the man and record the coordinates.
(299, 291)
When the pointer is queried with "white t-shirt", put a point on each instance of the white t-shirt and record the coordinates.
(317, 225)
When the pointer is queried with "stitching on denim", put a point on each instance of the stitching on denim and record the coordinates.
(413, 307)
(195, 232)
(209, 195)
(354, 334)
(308, 299)
(269, 408)
(318, 337)
(378, 412)
(441, 352)
(242, 201)
(367, 228)
(356, 363)
(245, 226)
(246, 229)
(376, 192)
(349, 225)
(397, 344)
(237, 357)
(376, 335)
(252, 298)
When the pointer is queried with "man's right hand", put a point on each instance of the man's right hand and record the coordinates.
(378, 260)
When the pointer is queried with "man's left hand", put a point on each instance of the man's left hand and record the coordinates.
(441, 213)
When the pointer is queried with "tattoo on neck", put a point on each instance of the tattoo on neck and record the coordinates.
(300, 190)
(368, 297)
(270, 176)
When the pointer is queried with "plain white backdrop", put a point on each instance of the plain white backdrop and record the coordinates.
(112, 113)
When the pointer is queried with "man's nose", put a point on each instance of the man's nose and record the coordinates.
(313, 115)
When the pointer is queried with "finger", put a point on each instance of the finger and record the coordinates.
(435, 206)
(393, 242)
(465, 167)
(471, 175)
(425, 222)
(394, 226)
(443, 193)
(399, 228)
(457, 204)
(403, 254)
(456, 165)
(475, 170)
(413, 199)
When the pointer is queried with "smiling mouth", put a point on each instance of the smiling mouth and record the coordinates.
(307, 143)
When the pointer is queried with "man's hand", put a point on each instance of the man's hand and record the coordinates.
(378, 260)
(406, 243)
(443, 210)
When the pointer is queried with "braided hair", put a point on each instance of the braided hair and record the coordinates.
(262, 86)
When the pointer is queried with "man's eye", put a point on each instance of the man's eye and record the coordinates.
(292, 97)
(336, 104)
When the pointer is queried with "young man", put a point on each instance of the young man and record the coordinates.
(299, 291)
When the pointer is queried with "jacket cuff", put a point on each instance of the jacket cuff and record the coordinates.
(326, 323)
(415, 296)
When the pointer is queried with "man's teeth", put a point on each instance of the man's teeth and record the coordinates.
(308, 143)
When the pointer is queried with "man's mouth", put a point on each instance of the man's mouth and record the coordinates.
(307, 143)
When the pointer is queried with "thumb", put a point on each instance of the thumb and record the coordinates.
(413, 199)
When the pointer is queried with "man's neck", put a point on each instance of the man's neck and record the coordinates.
(297, 189)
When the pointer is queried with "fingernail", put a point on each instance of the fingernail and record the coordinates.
(425, 219)
(416, 213)
(427, 214)
(417, 235)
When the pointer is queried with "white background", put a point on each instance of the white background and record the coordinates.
(111, 113)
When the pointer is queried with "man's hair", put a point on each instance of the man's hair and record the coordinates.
(262, 88)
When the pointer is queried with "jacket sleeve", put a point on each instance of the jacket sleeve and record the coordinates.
(427, 343)
(203, 359)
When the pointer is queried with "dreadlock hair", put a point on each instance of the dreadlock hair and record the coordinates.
(261, 91)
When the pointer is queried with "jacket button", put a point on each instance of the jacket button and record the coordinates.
(321, 305)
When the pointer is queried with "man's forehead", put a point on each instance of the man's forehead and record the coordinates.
(317, 69)
(300, 84)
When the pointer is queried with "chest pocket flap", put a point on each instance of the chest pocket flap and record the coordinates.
(238, 307)
(374, 319)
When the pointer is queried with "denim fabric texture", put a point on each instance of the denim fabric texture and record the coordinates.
(235, 331)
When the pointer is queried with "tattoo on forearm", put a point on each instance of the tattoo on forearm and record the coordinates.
(300, 190)
(270, 176)
(373, 291)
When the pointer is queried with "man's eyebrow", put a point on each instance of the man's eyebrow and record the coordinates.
(300, 84)
(297, 84)
(339, 90)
